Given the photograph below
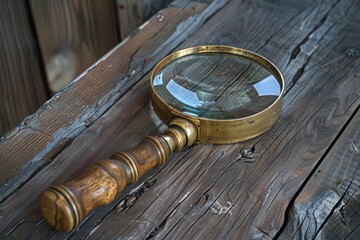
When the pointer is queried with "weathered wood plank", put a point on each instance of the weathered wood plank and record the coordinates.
(132, 13)
(22, 81)
(328, 205)
(89, 96)
(119, 127)
(219, 192)
(308, 133)
(223, 196)
(73, 35)
(152, 42)
(344, 221)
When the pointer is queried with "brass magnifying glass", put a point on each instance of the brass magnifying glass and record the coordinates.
(216, 94)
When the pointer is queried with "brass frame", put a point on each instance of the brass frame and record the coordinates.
(215, 130)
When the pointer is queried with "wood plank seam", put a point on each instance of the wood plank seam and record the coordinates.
(317, 231)
(179, 202)
(267, 192)
(291, 203)
(71, 134)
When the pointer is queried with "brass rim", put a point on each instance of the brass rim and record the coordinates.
(221, 131)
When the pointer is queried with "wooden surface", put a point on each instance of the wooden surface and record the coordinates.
(46, 44)
(73, 35)
(299, 180)
(64, 206)
(22, 80)
(132, 13)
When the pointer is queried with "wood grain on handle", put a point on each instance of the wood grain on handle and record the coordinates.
(64, 206)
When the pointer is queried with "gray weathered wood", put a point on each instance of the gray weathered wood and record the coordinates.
(239, 191)
(73, 35)
(225, 198)
(329, 205)
(148, 45)
(47, 132)
(22, 81)
(132, 14)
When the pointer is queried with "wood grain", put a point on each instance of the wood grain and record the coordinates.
(73, 35)
(132, 14)
(121, 127)
(234, 197)
(240, 191)
(64, 206)
(328, 205)
(45, 133)
(146, 42)
(22, 80)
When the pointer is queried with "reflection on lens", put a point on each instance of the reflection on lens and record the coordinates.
(216, 86)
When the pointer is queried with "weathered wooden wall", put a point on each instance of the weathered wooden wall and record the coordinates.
(22, 79)
(72, 35)
(137, 11)
(46, 44)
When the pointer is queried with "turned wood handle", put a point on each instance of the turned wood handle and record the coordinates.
(64, 206)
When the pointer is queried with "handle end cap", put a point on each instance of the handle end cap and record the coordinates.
(57, 209)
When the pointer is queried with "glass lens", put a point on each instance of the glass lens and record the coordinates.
(216, 86)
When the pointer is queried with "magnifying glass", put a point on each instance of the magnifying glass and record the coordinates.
(216, 94)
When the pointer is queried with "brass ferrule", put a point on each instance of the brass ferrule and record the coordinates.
(181, 133)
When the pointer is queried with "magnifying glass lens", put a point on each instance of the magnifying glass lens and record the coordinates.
(216, 86)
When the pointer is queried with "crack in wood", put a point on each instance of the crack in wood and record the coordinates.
(213, 201)
(158, 228)
(204, 197)
(75, 128)
(20, 223)
(312, 172)
(297, 48)
(267, 147)
(135, 194)
(336, 205)
(294, 135)
(125, 204)
(182, 199)
(98, 222)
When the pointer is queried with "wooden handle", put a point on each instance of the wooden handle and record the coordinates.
(64, 206)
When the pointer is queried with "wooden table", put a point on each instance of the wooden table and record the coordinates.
(299, 180)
